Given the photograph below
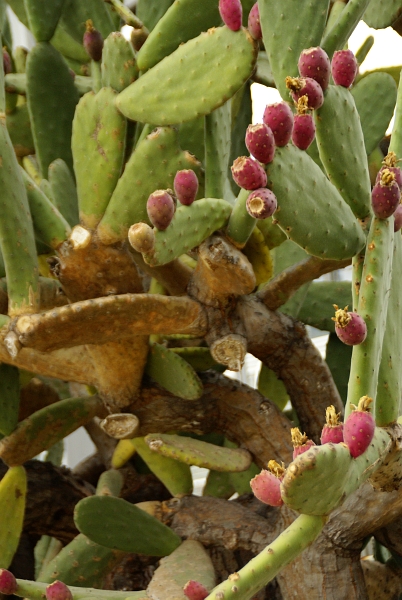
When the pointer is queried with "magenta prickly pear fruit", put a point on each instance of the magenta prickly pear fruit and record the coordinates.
(231, 12)
(261, 204)
(344, 68)
(333, 428)
(185, 186)
(303, 127)
(260, 142)
(279, 118)
(398, 218)
(58, 591)
(390, 162)
(385, 195)
(314, 63)
(195, 590)
(301, 443)
(359, 428)
(266, 485)
(93, 41)
(160, 208)
(8, 583)
(254, 25)
(248, 173)
(350, 327)
(306, 86)
(141, 237)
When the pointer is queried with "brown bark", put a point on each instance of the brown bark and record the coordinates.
(174, 276)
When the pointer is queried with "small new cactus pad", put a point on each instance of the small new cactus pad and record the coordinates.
(385, 195)
(160, 209)
(333, 428)
(260, 142)
(314, 63)
(248, 173)
(306, 86)
(195, 590)
(398, 218)
(186, 186)
(141, 237)
(254, 24)
(8, 583)
(301, 443)
(359, 428)
(344, 68)
(93, 41)
(58, 591)
(279, 118)
(266, 485)
(303, 132)
(350, 327)
(261, 203)
(231, 12)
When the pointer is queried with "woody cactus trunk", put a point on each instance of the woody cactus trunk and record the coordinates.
(144, 253)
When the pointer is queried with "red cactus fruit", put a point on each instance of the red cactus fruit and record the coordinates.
(248, 173)
(385, 195)
(93, 41)
(350, 327)
(7, 64)
(333, 428)
(141, 237)
(398, 218)
(260, 142)
(8, 583)
(306, 86)
(254, 25)
(279, 118)
(195, 590)
(390, 162)
(344, 68)
(186, 186)
(359, 428)
(266, 485)
(301, 443)
(231, 12)
(160, 208)
(314, 63)
(261, 204)
(58, 591)
(303, 131)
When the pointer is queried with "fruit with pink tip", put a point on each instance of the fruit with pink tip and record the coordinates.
(301, 443)
(248, 173)
(254, 25)
(261, 203)
(58, 591)
(350, 327)
(344, 68)
(279, 118)
(8, 583)
(398, 218)
(160, 208)
(306, 86)
(195, 590)
(186, 186)
(314, 63)
(231, 12)
(333, 428)
(266, 485)
(93, 41)
(359, 428)
(260, 142)
(385, 195)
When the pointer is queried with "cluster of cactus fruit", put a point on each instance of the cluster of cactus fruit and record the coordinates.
(151, 236)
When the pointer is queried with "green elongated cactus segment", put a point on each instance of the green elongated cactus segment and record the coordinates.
(96, 76)
(284, 50)
(396, 137)
(373, 304)
(76, 14)
(163, 95)
(317, 309)
(119, 68)
(42, 550)
(338, 131)
(190, 226)
(273, 235)
(271, 387)
(173, 373)
(201, 454)
(364, 49)
(175, 475)
(70, 48)
(43, 17)
(31, 166)
(242, 116)
(217, 151)
(115, 523)
(35, 590)
(175, 28)
(110, 483)
(151, 12)
(380, 17)
(374, 124)
(17, 243)
(9, 398)
(13, 490)
(51, 108)
(126, 14)
(64, 191)
(241, 224)
(262, 569)
(152, 165)
(50, 226)
(357, 271)
(98, 144)
(259, 256)
(337, 36)
(305, 196)
(218, 485)
(338, 356)
(47, 426)
(20, 132)
(83, 83)
(197, 356)
(336, 9)
(191, 137)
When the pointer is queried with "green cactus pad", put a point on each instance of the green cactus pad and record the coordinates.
(150, 12)
(153, 165)
(317, 309)
(382, 13)
(374, 123)
(364, 49)
(13, 489)
(286, 31)
(51, 107)
(115, 523)
(271, 387)
(305, 196)
(76, 13)
(110, 483)
(197, 356)
(98, 145)
(173, 373)
(218, 485)
(19, 129)
(69, 47)
(191, 137)
(164, 95)
(201, 454)
(175, 28)
(339, 133)
(119, 67)
(241, 223)
(349, 16)
(217, 150)
(273, 235)
(43, 17)
(64, 191)
(9, 398)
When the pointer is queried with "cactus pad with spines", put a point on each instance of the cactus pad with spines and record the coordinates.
(173, 373)
(119, 67)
